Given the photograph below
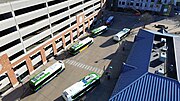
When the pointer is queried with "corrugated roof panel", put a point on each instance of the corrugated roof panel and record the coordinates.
(150, 87)
(138, 60)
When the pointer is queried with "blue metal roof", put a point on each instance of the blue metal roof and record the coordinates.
(138, 60)
(150, 87)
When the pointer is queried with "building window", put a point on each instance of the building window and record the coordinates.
(8, 31)
(29, 9)
(16, 55)
(55, 2)
(5, 16)
(137, 4)
(9, 45)
(131, 4)
(119, 2)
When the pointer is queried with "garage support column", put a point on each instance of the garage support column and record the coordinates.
(64, 42)
(54, 47)
(12, 77)
(7, 67)
(43, 56)
(71, 36)
(84, 28)
(29, 65)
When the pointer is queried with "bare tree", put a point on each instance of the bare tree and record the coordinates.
(146, 18)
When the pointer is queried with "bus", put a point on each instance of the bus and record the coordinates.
(98, 31)
(80, 46)
(46, 75)
(122, 34)
(109, 21)
(82, 87)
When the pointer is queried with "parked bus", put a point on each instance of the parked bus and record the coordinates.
(46, 75)
(98, 31)
(122, 34)
(109, 21)
(80, 46)
(82, 87)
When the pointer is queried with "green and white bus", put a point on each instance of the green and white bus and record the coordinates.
(80, 46)
(82, 87)
(46, 75)
(98, 31)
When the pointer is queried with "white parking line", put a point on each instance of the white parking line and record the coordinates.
(72, 62)
(80, 65)
(76, 64)
(93, 69)
(67, 61)
(90, 68)
(84, 66)
(101, 72)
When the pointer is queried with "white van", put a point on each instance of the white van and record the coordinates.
(120, 35)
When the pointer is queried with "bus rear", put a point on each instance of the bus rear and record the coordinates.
(46, 75)
(82, 87)
(98, 31)
(80, 46)
(120, 35)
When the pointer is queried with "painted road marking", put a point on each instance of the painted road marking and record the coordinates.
(84, 66)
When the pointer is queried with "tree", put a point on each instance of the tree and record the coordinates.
(146, 18)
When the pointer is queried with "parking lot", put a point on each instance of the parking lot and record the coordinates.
(96, 58)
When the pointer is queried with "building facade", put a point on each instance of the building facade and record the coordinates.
(164, 7)
(32, 31)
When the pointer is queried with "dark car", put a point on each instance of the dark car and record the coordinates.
(109, 21)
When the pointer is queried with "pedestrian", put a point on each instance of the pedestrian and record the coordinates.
(110, 67)
(108, 75)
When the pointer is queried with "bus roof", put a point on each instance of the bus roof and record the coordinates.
(98, 29)
(122, 32)
(42, 75)
(80, 85)
(79, 44)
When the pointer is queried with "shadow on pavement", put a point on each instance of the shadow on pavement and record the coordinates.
(63, 55)
(59, 99)
(108, 43)
(104, 90)
(18, 94)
